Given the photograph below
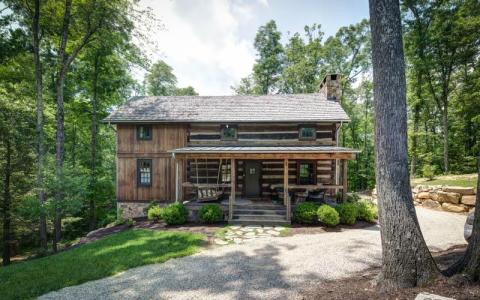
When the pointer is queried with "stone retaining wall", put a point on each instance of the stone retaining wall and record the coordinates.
(449, 198)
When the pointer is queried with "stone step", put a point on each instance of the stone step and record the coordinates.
(259, 217)
(259, 206)
(260, 211)
(249, 221)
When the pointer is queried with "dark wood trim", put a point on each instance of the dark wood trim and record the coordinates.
(314, 162)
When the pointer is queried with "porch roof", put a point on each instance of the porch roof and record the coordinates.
(265, 152)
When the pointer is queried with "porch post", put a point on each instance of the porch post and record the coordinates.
(345, 179)
(233, 184)
(286, 198)
(178, 179)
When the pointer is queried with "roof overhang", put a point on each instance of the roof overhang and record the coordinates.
(106, 120)
(264, 152)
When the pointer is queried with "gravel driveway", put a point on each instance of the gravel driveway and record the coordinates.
(269, 268)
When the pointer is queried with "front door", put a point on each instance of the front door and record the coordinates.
(252, 178)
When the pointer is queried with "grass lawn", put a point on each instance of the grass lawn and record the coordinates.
(102, 258)
(466, 180)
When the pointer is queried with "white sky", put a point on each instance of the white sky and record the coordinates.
(209, 43)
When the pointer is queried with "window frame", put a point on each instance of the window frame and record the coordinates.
(138, 128)
(314, 171)
(301, 138)
(222, 136)
(139, 173)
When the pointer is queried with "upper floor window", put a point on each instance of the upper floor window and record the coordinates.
(229, 133)
(144, 172)
(306, 173)
(307, 133)
(144, 132)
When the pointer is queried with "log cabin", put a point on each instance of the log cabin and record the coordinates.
(257, 156)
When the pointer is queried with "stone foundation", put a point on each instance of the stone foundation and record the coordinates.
(448, 198)
(137, 210)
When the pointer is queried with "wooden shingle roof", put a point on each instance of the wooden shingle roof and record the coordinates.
(232, 109)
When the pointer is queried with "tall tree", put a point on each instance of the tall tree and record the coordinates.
(160, 80)
(40, 134)
(406, 259)
(268, 65)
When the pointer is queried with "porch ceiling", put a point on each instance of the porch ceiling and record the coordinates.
(265, 152)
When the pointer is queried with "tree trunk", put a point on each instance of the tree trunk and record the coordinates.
(445, 138)
(39, 125)
(93, 215)
(7, 200)
(469, 264)
(416, 119)
(407, 261)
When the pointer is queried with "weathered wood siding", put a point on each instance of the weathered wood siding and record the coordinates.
(129, 149)
(261, 134)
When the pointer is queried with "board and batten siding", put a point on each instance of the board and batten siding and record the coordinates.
(261, 134)
(130, 149)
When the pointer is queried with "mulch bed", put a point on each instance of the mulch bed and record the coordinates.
(363, 286)
(317, 228)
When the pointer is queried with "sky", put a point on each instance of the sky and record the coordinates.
(209, 43)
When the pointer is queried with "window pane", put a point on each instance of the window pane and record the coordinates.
(307, 132)
(306, 174)
(145, 172)
(144, 132)
(229, 133)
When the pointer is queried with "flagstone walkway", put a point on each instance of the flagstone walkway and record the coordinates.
(241, 234)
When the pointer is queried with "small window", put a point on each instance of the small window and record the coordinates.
(229, 133)
(226, 173)
(144, 172)
(144, 132)
(306, 173)
(307, 133)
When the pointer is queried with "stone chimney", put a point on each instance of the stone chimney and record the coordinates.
(330, 87)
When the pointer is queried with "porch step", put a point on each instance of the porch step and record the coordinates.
(249, 221)
(259, 214)
(250, 211)
(259, 217)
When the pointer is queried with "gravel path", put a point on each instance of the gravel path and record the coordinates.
(269, 268)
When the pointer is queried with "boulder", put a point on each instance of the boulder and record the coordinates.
(469, 200)
(448, 197)
(459, 189)
(427, 296)
(423, 195)
(431, 204)
(453, 207)
(434, 196)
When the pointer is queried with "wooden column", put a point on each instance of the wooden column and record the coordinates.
(178, 181)
(233, 184)
(286, 198)
(345, 179)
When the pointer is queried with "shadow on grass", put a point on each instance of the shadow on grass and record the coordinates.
(99, 259)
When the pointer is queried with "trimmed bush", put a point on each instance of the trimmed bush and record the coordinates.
(347, 213)
(155, 213)
(328, 215)
(367, 211)
(353, 197)
(211, 213)
(175, 214)
(306, 213)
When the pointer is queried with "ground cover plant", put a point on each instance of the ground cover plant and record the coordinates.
(103, 258)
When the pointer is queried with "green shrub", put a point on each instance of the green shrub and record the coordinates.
(328, 215)
(150, 205)
(367, 211)
(175, 214)
(428, 171)
(306, 213)
(353, 197)
(155, 213)
(211, 213)
(347, 213)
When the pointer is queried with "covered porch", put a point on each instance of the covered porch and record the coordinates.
(261, 178)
